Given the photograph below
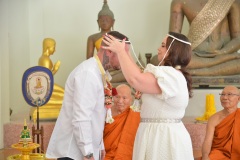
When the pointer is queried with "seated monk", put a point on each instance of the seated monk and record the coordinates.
(214, 33)
(52, 108)
(222, 140)
(119, 136)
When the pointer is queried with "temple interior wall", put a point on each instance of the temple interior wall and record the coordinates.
(4, 69)
(25, 23)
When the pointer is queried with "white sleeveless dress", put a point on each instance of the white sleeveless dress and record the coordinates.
(162, 135)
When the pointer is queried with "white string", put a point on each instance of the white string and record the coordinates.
(135, 54)
(179, 39)
(166, 52)
(171, 45)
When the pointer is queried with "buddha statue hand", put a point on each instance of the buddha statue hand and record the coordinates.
(56, 67)
(210, 54)
(218, 52)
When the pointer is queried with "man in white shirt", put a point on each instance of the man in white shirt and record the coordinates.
(78, 132)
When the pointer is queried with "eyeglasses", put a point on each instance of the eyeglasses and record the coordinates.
(228, 94)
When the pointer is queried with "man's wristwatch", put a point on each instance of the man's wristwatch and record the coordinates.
(89, 155)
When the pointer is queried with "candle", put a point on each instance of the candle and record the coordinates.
(207, 102)
(211, 100)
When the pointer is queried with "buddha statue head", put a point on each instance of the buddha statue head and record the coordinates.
(105, 18)
(49, 45)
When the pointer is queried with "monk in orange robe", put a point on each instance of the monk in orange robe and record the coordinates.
(222, 140)
(119, 136)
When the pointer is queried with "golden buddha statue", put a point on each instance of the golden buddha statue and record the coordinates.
(52, 108)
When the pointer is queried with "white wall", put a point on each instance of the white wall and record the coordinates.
(196, 106)
(1, 105)
(4, 68)
(18, 51)
(1, 123)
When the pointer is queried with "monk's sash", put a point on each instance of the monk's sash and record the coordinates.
(119, 136)
(98, 43)
(226, 142)
(207, 20)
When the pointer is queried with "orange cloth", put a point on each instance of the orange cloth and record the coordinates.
(119, 136)
(226, 141)
(98, 43)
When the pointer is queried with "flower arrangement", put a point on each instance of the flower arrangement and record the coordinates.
(136, 104)
(109, 92)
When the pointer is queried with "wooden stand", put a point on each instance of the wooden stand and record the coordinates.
(38, 132)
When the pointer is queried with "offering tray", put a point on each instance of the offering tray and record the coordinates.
(26, 152)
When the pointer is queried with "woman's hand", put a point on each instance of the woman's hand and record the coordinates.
(114, 44)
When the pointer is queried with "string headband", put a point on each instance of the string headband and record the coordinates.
(179, 39)
(174, 38)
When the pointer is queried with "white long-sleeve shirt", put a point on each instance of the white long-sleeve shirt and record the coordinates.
(79, 127)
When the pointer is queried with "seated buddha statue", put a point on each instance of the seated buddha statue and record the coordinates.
(214, 33)
(105, 23)
(25, 133)
(52, 108)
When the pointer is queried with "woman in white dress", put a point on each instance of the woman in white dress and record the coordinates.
(166, 91)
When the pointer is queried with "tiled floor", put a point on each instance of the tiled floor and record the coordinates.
(4, 153)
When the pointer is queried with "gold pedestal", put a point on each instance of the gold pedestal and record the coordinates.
(26, 152)
(33, 156)
(45, 112)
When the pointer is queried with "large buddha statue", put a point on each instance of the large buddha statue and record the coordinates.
(214, 33)
(52, 108)
(105, 23)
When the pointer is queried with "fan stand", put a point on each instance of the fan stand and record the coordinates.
(38, 132)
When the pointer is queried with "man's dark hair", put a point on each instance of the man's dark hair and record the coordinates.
(119, 36)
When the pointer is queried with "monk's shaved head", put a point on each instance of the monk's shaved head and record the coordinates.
(123, 99)
(230, 97)
(124, 87)
(231, 89)
(127, 91)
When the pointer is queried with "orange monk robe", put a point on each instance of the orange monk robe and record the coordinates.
(226, 141)
(119, 136)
